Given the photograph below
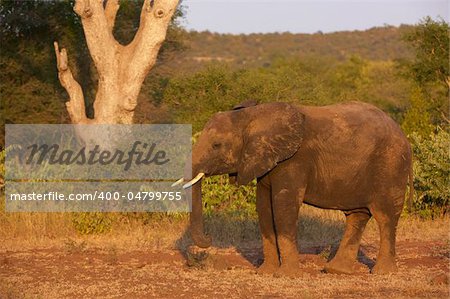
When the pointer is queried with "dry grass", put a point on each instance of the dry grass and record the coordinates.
(42, 256)
(320, 227)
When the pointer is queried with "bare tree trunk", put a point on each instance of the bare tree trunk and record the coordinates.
(121, 69)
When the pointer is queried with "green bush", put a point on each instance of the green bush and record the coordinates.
(196, 97)
(220, 197)
(431, 172)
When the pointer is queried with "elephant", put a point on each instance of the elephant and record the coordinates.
(348, 156)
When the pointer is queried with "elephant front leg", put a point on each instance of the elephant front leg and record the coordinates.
(286, 205)
(266, 225)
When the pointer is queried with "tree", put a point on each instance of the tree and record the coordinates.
(121, 68)
(430, 40)
(430, 66)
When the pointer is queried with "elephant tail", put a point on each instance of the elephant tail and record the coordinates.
(411, 185)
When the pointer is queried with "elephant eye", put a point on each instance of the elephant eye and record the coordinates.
(216, 145)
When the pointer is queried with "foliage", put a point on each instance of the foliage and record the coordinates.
(431, 172)
(3, 154)
(350, 75)
(430, 40)
(375, 44)
(29, 18)
(313, 81)
(429, 69)
(417, 118)
(220, 197)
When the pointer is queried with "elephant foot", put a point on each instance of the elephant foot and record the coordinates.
(267, 268)
(342, 267)
(289, 270)
(384, 267)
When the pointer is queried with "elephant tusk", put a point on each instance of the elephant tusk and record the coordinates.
(177, 182)
(193, 181)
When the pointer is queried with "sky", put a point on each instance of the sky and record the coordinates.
(306, 16)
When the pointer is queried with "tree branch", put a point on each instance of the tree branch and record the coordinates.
(140, 55)
(111, 8)
(101, 43)
(75, 106)
(155, 18)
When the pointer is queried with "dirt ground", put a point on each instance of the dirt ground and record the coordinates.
(76, 270)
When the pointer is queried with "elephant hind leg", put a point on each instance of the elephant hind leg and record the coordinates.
(387, 216)
(345, 259)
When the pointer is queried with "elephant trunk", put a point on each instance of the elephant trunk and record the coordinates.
(193, 185)
(196, 220)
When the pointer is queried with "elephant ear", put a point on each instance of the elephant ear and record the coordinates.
(273, 135)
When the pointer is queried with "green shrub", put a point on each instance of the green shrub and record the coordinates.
(431, 172)
(220, 197)
(196, 97)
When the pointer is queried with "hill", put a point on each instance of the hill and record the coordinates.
(378, 43)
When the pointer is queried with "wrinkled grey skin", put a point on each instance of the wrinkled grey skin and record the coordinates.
(350, 157)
